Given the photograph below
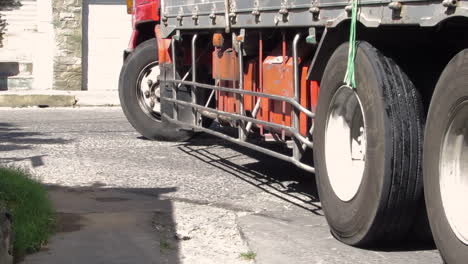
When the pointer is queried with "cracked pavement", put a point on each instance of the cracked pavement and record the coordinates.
(124, 199)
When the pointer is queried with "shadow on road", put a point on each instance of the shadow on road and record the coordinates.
(289, 183)
(13, 138)
(276, 177)
(111, 225)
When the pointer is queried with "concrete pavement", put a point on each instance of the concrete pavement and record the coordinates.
(202, 201)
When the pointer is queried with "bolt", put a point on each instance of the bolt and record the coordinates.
(157, 93)
(150, 83)
(314, 10)
(147, 94)
(283, 11)
(450, 3)
(395, 5)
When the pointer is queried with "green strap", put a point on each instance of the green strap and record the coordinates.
(349, 77)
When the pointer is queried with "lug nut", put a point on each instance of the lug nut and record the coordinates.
(157, 93)
(150, 83)
(147, 94)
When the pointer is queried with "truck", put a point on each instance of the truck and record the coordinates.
(370, 96)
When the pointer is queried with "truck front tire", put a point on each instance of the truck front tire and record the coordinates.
(140, 105)
(368, 149)
(446, 161)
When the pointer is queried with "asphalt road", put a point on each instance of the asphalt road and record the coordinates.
(124, 199)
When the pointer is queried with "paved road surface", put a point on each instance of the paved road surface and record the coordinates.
(123, 199)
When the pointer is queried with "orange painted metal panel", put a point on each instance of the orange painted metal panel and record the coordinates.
(225, 65)
(227, 101)
(304, 123)
(278, 76)
(278, 80)
(163, 46)
(250, 84)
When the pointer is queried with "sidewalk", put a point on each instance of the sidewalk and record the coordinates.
(55, 98)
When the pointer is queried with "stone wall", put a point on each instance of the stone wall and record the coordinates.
(67, 21)
(6, 245)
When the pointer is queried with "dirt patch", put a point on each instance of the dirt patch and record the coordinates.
(67, 222)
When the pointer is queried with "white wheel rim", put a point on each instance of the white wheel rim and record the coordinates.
(345, 143)
(453, 170)
(148, 91)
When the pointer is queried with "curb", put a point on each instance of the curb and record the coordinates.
(51, 98)
(14, 100)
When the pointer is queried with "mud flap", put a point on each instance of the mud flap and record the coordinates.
(184, 113)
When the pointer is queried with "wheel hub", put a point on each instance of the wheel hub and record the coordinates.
(453, 170)
(148, 92)
(345, 143)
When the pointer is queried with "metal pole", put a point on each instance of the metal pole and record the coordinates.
(245, 144)
(194, 78)
(204, 109)
(227, 8)
(295, 123)
(247, 92)
(254, 115)
(174, 76)
(242, 133)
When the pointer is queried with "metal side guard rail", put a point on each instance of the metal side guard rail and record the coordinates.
(301, 142)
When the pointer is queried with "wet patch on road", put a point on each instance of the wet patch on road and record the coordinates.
(68, 222)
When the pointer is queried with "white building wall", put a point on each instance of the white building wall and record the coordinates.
(109, 30)
(29, 41)
(44, 50)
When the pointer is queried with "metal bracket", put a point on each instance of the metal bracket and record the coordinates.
(180, 16)
(195, 15)
(396, 6)
(213, 17)
(315, 10)
(312, 37)
(450, 3)
(284, 12)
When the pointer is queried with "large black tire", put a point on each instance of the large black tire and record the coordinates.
(151, 127)
(383, 205)
(449, 106)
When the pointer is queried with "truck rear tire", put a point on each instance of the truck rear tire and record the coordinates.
(139, 95)
(446, 161)
(368, 149)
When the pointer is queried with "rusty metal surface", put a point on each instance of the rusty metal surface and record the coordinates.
(225, 65)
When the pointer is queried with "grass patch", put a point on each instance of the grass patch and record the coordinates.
(33, 216)
(248, 255)
(164, 245)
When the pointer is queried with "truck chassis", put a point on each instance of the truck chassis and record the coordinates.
(261, 67)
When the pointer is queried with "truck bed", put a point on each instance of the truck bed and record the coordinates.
(226, 14)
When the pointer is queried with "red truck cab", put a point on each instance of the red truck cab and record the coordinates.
(145, 15)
